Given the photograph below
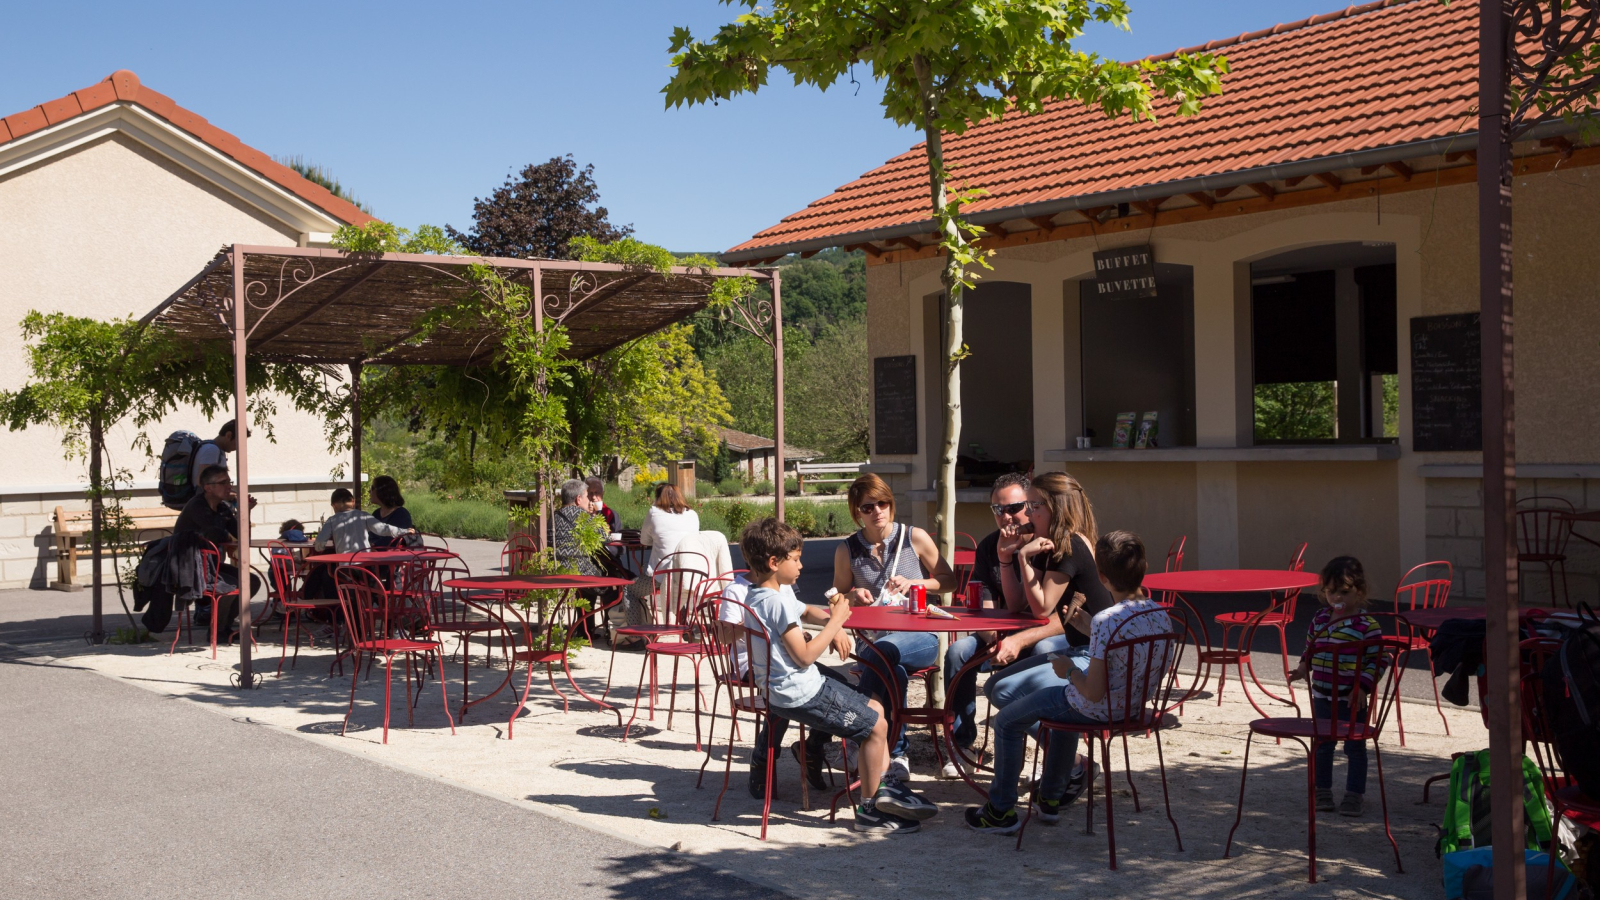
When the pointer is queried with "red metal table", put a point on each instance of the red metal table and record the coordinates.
(506, 590)
(380, 557)
(1431, 619)
(866, 619)
(1582, 516)
(1227, 581)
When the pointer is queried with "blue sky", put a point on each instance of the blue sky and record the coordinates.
(419, 108)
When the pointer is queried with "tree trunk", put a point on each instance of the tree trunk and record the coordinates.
(97, 630)
(944, 519)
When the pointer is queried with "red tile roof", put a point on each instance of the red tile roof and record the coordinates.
(1369, 77)
(123, 86)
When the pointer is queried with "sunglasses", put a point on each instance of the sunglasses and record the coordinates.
(870, 507)
(1008, 509)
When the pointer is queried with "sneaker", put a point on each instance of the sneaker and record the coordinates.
(985, 819)
(899, 770)
(951, 770)
(758, 779)
(1351, 805)
(1047, 811)
(871, 820)
(898, 799)
(1080, 780)
(812, 767)
(1325, 800)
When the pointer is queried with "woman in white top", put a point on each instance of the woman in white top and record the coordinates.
(668, 521)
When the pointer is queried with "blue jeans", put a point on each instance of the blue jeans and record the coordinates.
(964, 694)
(1011, 729)
(1028, 676)
(901, 652)
(1355, 752)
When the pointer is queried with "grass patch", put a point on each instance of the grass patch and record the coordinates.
(458, 518)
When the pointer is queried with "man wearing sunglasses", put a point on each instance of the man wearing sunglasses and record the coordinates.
(213, 515)
(1008, 500)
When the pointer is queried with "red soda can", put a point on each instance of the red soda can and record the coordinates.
(974, 595)
(919, 599)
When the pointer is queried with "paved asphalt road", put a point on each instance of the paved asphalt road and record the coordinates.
(112, 792)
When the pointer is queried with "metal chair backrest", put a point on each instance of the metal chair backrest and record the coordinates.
(1427, 571)
(1544, 530)
(1538, 731)
(718, 638)
(970, 542)
(210, 568)
(685, 559)
(1289, 599)
(368, 613)
(441, 542)
(1375, 660)
(751, 636)
(516, 553)
(448, 605)
(1190, 627)
(1149, 663)
(674, 593)
(285, 571)
(1417, 595)
(1175, 553)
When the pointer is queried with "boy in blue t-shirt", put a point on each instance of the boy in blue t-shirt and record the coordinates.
(796, 688)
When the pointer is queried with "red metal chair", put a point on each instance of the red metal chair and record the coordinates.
(1278, 616)
(373, 621)
(1364, 722)
(660, 619)
(1142, 704)
(452, 612)
(1544, 527)
(287, 589)
(1410, 596)
(546, 641)
(211, 594)
(745, 694)
(966, 542)
(676, 592)
(517, 552)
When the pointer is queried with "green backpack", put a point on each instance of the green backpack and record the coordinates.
(1467, 822)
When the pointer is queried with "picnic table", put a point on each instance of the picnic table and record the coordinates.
(865, 620)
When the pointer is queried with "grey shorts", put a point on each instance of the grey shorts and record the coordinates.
(837, 709)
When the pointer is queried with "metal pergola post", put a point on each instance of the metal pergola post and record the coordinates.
(241, 408)
(1499, 452)
(777, 397)
(355, 433)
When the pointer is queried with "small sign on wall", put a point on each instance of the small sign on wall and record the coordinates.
(1127, 273)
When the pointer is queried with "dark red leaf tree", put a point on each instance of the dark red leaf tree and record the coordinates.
(538, 211)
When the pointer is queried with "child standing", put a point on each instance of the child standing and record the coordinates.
(1342, 586)
(798, 691)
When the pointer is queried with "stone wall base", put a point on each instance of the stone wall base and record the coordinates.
(1455, 533)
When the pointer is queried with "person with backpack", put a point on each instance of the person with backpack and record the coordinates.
(185, 456)
(215, 451)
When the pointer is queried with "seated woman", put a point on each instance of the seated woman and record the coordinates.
(875, 566)
(391, 510)
(666, 523)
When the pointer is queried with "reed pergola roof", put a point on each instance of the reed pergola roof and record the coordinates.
(318, 306)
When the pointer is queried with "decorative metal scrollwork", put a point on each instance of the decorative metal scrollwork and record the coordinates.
(1543, 36)
(294, 274)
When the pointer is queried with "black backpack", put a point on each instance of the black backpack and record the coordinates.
(176, 484)
(1572, 700)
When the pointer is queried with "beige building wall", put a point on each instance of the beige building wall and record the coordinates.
(110, 229)
(1243, 506)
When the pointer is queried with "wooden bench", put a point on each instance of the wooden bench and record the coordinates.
(73, 536)
(801, 470)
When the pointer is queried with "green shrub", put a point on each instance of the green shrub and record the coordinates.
(791, 486)
(802, 517)
(705, 490)
(741, 514)
(628, 505)
(730, 487)
(762, 488)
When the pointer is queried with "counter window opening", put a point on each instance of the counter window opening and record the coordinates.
(1323, 339)
(1137, 359)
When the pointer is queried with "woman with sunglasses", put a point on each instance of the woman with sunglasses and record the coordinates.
(877, 565)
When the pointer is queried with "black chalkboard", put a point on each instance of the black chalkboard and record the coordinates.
(1446, 383)
(894, 404)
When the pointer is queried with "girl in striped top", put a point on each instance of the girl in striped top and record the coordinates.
(1342, 619)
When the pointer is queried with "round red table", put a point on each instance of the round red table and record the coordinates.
(1431, 619)
(867, 619)
(1229, 581)
(506, 590)
(380, 557)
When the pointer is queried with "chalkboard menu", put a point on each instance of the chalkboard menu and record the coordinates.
(894, 404)
(1446, 383)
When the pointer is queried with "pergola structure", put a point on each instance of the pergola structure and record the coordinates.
(315, 306)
